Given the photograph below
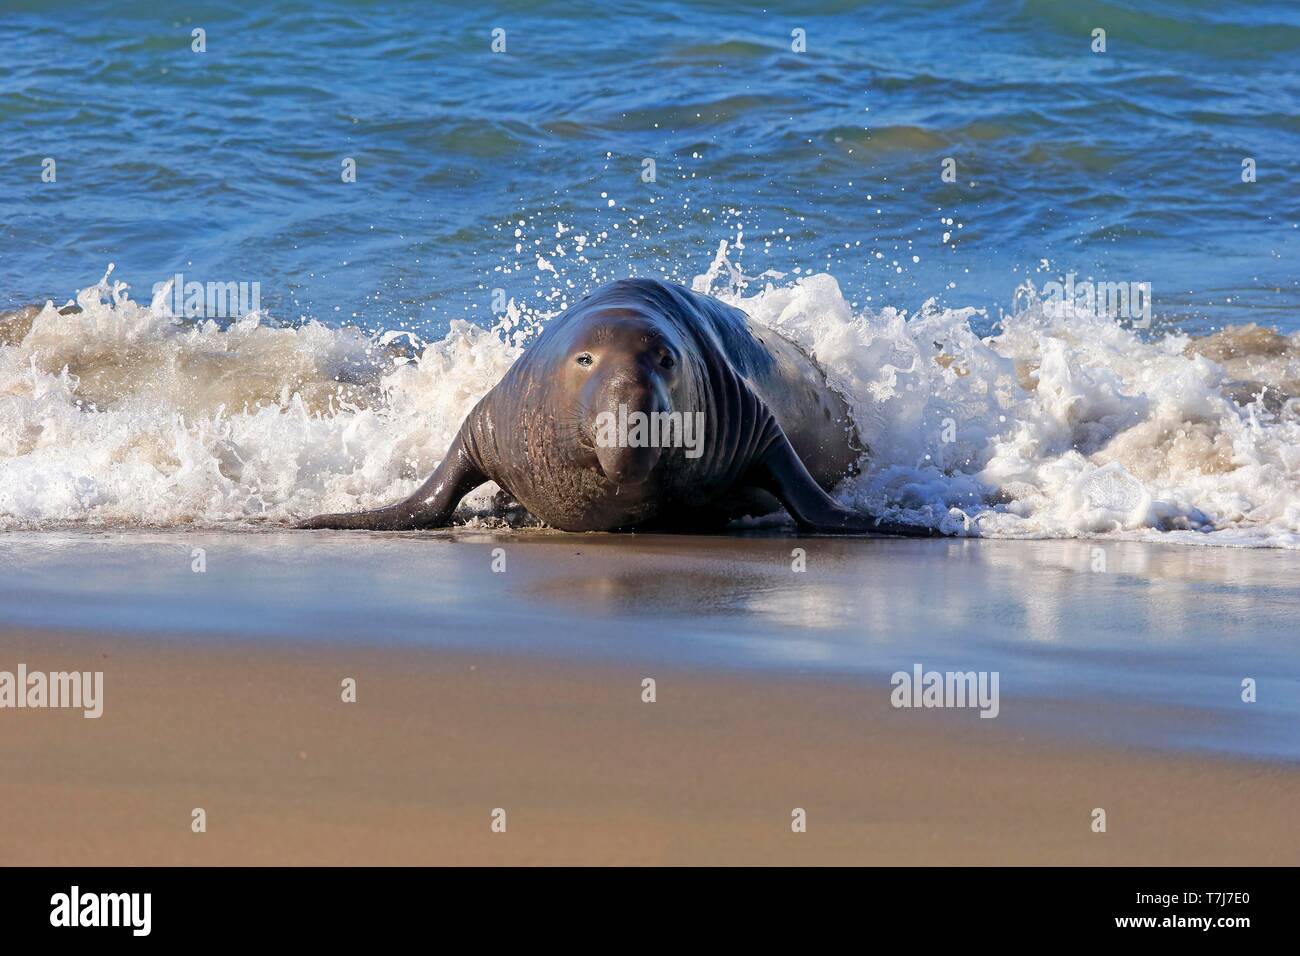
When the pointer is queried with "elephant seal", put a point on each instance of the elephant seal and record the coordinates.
(746, 423)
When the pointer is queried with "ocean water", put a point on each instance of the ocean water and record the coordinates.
(805, 185)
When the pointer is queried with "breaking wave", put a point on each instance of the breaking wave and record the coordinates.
(1062, 424)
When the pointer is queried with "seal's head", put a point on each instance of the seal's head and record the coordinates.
(626, 371)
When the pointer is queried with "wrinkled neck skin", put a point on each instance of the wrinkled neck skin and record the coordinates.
(562, 436)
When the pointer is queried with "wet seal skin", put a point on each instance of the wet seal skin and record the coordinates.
(648, 406)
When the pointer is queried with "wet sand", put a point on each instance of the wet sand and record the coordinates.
(586, 771)
(522, 690)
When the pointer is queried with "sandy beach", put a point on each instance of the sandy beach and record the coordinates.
(478, 690)
(586, 772)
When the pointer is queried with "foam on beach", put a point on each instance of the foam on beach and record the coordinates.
(1063, 424)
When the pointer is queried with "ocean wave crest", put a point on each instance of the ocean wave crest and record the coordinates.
(1063, 424)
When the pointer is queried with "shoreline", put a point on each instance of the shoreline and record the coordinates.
(768, 527)
(521, 689)
(257, 734)
(1153, 651)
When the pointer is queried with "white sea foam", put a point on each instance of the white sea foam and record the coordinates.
(1063, 425)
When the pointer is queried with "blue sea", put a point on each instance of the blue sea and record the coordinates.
(404, 193)
(226, 165)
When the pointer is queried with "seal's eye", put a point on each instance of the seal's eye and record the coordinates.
(584, 359)
(667, 361)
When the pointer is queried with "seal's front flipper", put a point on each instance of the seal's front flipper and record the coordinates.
(431, 506)
(780, 471)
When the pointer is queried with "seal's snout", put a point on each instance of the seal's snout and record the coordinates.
(627, 466)
(627, 448)
(628, 370)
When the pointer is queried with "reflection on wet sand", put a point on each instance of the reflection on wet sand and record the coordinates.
(1151, 625)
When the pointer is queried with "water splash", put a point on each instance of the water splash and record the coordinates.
(1063, 424)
